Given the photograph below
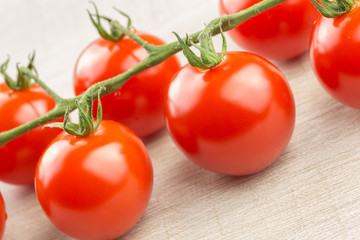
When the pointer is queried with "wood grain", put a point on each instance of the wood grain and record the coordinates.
(311, 192)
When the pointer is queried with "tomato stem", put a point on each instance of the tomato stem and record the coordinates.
(209, 58)
(23, 81)
(26, 77)
(86, 124)
(157, 54)
(332, 9)
(35, 77)
(148, 47)
(118, 31)
(115, 34)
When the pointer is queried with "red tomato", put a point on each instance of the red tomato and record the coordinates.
(234, 119)
(335, 53)
(95, 187)
(280, 33)
(19, 156)
(139, 103)
(3, 216)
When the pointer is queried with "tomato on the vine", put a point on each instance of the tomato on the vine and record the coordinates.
(95, 187)
(280, 33)
(234, 119)
(18, 158)
(139, 103)
(335, 53)
(3, 216)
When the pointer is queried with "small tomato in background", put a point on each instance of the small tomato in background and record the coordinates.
(3, 216)
(18, 158)
(335, 54)
(138, 104)
(95, 187)
(280, 33)
(234, 119)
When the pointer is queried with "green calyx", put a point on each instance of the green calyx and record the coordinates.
(114, 34)
(23, 80)
(333, 9)
(209, 58)
(87, 124)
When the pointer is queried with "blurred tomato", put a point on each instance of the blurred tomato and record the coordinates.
(334, 54)
(280, 33)
(3, 216)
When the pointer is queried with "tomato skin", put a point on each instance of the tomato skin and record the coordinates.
(3, 216)
(19, 156)
(280, 33)
(334, 56)
(139, 103)
(95, 187)
(235, 119)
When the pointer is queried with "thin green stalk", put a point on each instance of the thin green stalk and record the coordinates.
(136, 38)
(54, 95)
(155, 56)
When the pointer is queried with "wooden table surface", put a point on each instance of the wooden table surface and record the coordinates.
(311, 192)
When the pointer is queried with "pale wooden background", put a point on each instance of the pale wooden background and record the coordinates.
(311, 192)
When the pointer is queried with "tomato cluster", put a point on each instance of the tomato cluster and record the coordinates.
(235, 118)
(139, 103)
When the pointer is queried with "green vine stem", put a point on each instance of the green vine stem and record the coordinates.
(115, 35)
(23, 81)
(155, 56)
(209, 58)
(333, 9)
(29, 73)
(87, 124)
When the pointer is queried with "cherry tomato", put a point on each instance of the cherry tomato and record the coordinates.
(3, 216)
(234, 119)
(280, 33)
(19, 156)
(139, 103)
(335, 53)
(95, 187)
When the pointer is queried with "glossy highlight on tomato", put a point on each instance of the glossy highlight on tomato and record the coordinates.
(18, 158)
(234, 119)
(335, 53)
(280, 33)
(139, 103)
(95, 187)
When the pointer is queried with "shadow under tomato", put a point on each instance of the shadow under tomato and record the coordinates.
(16, 191)
(204, 178)
(148, 140)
